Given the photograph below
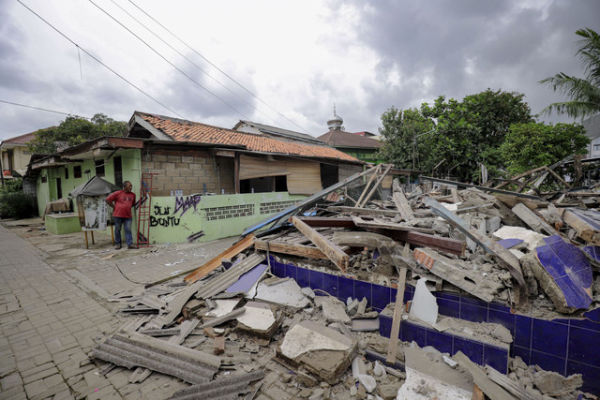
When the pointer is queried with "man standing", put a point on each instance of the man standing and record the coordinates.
(122, 201)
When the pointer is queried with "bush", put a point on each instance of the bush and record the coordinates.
(14, 203)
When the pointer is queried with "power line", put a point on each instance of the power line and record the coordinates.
(215, 66)
(97, 60)
(42, 109)
(180, 53)
(167, 60)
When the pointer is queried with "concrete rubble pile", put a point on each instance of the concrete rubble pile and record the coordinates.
(250, 333)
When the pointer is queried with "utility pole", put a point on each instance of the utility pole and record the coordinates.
(1, 168)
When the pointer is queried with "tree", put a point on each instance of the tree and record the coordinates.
(531, 145)
(73, 131)
(583, 92)
(469, 132)
(400, 130)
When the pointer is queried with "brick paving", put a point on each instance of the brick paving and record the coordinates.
(50, 321)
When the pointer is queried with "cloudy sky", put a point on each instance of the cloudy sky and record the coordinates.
(291, 60)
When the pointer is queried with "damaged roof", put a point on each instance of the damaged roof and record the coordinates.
(189, 131)
(276, 131)
(339, 138)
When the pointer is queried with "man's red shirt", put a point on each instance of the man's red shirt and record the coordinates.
(123, 203)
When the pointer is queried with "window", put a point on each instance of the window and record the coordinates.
(44, 179)
(67, 172)
(99, 167)
(77, 171)
(597, 147)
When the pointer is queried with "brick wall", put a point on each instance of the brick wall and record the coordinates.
(191, 171)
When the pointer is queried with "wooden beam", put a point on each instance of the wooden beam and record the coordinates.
(290, 248)
(331, 250)
(363, 211)
(371, 179)
(401, 202)
(329, 222)
(507, 259)
(236, 172)
(358, 221)
(214, 263)
(585, 222)
(532, 220)
(374, 188)
(397, 318)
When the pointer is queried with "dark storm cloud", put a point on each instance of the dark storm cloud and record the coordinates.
(506, 45)
(212, 100)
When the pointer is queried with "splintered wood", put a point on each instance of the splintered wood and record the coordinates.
(331, 250)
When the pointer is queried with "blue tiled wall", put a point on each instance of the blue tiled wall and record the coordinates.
(566, 346)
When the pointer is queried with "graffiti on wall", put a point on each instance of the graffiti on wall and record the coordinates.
(184, 203)
(161, 217)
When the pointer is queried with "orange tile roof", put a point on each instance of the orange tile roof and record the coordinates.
(189, 131)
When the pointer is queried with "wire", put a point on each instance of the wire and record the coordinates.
(42, 109)
(98, 61)
(182, 55)
(167, 60)
(216, 67)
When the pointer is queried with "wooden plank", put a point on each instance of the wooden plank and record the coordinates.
(214, 263)
(532, 220)
(507, 259)
(371, 179)
(339, 222)
(482, 188)
(375, 186)
(331, 250)
(363, 211)
(402, 203)
(397, 318)
(585, 222)
(358, 221)
(477, 393)
(491, 389)
(290, 248)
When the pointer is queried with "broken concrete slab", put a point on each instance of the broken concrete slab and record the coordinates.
(333, 309)
(223, 307)
(285, 292)
(365, 324)
(424, 305)
(259, 318)
(554, 384)
(322, 351)
(429, 377)
(483, 286)
(564, 274)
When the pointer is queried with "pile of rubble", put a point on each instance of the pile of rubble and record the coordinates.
(233, 329)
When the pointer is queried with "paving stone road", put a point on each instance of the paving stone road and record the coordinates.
(50, 318)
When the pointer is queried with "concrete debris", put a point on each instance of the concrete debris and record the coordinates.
(529, 237)
(284, 292)
(333, 309)
(259, 319)
(321, 350)
(222, 307)
(554, 384)
(365, 324)
(424, 305)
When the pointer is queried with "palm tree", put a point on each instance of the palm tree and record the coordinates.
(584, 92)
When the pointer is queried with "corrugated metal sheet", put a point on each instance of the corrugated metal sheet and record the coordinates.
(135, 350)
(223, 388)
